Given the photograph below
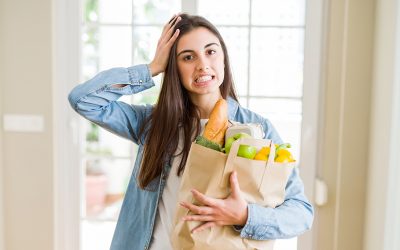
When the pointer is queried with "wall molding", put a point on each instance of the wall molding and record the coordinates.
(382, 217)
(2, 221)
(392, 222)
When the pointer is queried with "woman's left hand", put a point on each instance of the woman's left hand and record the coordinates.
(218, 212)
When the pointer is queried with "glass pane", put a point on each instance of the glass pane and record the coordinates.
(243, 101)
(90, 10)
(115, 47)
(276, 62)
(283, 12)
(145, 43)
(90, 47)
(105, 184)
(100, 143)
(237, 42)
(154, 11)
(115, 11)
(97, 235)
(225, 12)
(285, 115)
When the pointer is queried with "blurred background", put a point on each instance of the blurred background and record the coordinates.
(326, 73)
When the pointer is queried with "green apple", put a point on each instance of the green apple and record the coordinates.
(230, 140)
(247, 151)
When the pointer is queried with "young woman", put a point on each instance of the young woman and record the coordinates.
(193, 57)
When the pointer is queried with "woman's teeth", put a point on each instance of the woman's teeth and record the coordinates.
(203, 79)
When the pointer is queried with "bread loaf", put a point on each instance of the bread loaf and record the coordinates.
(218, 123)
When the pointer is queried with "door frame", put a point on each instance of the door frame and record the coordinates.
(312, 113)
(66, 17)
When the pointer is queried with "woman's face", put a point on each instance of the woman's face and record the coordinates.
(200, 61)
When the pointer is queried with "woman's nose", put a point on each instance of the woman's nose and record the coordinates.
(202, 64)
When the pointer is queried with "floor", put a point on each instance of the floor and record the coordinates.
(98, 237)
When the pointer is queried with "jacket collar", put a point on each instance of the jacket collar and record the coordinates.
(232, 108)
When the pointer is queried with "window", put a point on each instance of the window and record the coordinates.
(265, 40)
(114, 34)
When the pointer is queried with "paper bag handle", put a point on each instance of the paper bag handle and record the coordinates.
(258, 143)
(272, 151)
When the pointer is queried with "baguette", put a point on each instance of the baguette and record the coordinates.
(218, 123)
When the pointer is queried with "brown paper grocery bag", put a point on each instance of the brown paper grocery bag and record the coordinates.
(208, 171)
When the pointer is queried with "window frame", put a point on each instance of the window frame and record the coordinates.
(66, 71)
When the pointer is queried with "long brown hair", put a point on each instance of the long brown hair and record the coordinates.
(174, 111)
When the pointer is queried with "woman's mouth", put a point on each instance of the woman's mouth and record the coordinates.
(203, 81)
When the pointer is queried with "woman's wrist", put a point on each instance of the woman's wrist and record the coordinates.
(154, 69)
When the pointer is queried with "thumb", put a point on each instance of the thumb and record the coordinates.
(235, 188)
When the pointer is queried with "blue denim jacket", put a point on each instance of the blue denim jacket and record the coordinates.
(96, 100)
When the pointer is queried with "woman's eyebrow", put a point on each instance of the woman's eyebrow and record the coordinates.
(189, 50)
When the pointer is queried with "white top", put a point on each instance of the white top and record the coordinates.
(167, 205)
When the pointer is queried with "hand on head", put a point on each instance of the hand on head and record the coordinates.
(165, 42)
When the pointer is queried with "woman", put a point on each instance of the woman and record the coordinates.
(193, 57)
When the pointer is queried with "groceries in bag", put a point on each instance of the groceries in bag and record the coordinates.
(210, 162)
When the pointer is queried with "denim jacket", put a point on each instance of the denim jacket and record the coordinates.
(96, 100)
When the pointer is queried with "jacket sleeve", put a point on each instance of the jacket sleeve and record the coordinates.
(290, 219)
(96, 100)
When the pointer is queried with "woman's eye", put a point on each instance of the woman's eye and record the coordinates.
(188, 57)
(211, 52)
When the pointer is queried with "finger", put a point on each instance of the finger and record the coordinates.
(167, 25)
(173, 38)
(203, 199)
(201, 210)
(166, 36)
(198, 218)
(171, 23)
(235, 188)
(172, 18)
(204, 226)
(176, 15)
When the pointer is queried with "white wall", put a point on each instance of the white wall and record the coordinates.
(27, 158)
(382, 217)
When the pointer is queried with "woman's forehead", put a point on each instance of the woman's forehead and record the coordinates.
(196, 39)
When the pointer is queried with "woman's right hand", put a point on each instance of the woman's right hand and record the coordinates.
(164, 45)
